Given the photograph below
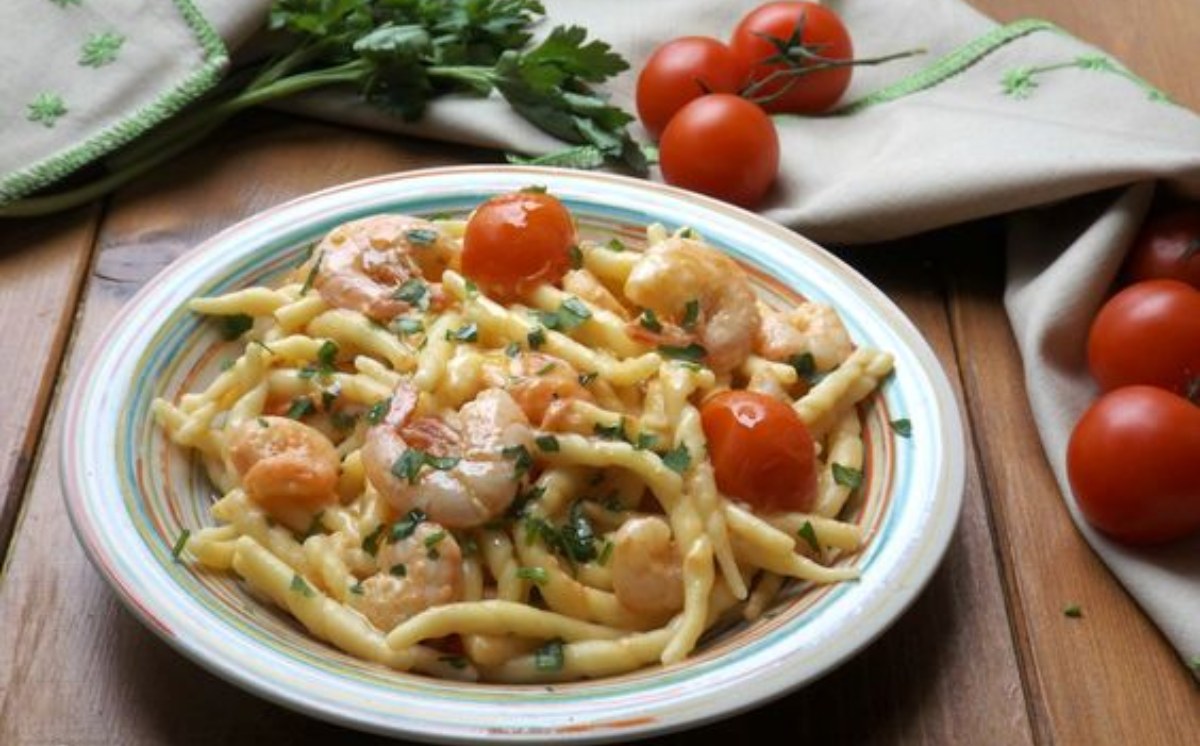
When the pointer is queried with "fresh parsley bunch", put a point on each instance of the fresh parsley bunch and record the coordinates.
(400, 55)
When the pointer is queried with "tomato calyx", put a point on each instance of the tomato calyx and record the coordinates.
(800, 59)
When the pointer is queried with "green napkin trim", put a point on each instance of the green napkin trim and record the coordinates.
(951, 64)
(47, 111)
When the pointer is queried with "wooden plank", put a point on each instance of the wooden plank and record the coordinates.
(1108, 677)
(42, 266)
(926, 681)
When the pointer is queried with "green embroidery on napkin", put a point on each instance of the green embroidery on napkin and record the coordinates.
(65, 3)
(1020, 82)
(47, 108)
(100, 49)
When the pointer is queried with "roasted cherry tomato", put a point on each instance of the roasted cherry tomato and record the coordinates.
(761, 451)
(1148, 333)
(821, 32)
(680, 71)
(1132, 463)
(723, 146)
(515, 242)
(1168, 247)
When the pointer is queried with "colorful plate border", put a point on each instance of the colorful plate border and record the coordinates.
(107, 458)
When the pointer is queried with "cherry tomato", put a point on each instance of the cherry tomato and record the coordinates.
(822, 32)
(1132, 463)
(1147, 333)
(515, 242)
(1168, 247)
(760, 450)
(683, 70)
(723, 146)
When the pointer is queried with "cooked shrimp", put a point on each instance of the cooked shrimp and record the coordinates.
(535, 381)
(646, 569)
(583, 284)
(812, 328)
(472, 481)
(417, 572)
(364, 262)
(284, 463)
(679, 271)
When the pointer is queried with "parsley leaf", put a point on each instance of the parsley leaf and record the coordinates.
(677, 459)
(536, 338)
(691, 314)
(404, 528)
(692, 353)
(312, 274)
(421, 237)
(521, 458)
(805, 365)
(649, 320)
(902, 427)
(809, 534)
(466, 333)
(576, 256)
(300, 407)
(413, 292)
(234, 326)
(847, 476)
(1074, 611)
(180, 543)
(298, 585)
(615, 244)
(378, 411)
(547, 443)
(536, 574)
(549, 657)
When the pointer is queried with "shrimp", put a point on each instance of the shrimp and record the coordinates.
(679, 271)
(536, 382)
(812, 328)
(415, 573)
(647, 574)
(465, 478)
(364, 262)
(284, 463)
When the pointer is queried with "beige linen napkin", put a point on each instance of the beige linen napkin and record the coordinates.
(1019, 119)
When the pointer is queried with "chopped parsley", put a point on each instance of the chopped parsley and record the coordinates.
(431, 543)
(404, 528)
(228, 363)
(649, 320)
(399, 570)
(378, 410)
(536, 338)
(408, 466)
(605, 553)
(809, 534)
(545, 368)
(357, 588)
(370, 542)
(421, 237)
(235, 326)
(689, 232)
(587, 378)
(300, 407)
(677, 459)
(547, 443)
(413, 292)
(454, 661)
(262, 422)
(576, 256)
(524, 498)
(1074, 611)
(466, 333)
(180, 543)
(645, 441)
(407, 326)
(471, 288)
(611, 432)
(847, 476)
(578, 536)
(512, 349)
(571, 313)
(549, 657)
(520, 457)
(536, 574)
(344, 420)
(300, 586)
(692, 353)
(902, 427)
(691, 314)
(615, 244)
(534, 189)
(805, 365)
(312, 274)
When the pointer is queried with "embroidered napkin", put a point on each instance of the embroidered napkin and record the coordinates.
(1019, 119)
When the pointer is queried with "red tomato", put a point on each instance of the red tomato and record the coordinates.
(760, 450)
(1147, 333)
(680, 71)
(822, 32)
(723, 146)
(515, 242)
(1132, 465)
(1168, 247)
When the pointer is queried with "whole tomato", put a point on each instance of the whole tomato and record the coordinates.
(1132, 463)
(821, 31)
(681, 71)
(1148, 333)
(514, 242)
(723, 146)
(761, 451)
(1167, 247)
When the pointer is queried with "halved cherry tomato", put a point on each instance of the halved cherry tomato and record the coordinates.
(1168, 247)
(822, 32)
(515, 242)
(1132, 463)
(723, 146)
(1148, 333)
(761, 451)
(681, 71)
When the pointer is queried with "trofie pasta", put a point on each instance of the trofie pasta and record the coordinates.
(486, 450)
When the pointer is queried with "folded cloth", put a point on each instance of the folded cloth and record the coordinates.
(1019, 119)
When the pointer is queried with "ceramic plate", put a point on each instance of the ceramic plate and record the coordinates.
(130, 493)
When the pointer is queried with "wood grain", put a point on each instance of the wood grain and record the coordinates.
(42, 267)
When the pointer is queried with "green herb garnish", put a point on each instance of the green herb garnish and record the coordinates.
(809, 534)
(587, 378)
(614, 244)
(693, 352)
(847, 476)
(421, 237)
(413, 292)
(512, 349)
(549, 657)
(407, 326)
(902, 427)
(649, 320)
(404, 528)
(300, 586)
(536, 338)
(378, 411)
(312, 274)
(370, 542)
(466, 333)
(805, 365)
(300, 407)
(180, 543)
(1074, 611)
(537, 575)
(547, 443)
(677, 459)
(399, 570)
(576, 256)
(691, 314)
(521, 458)
(234, 326)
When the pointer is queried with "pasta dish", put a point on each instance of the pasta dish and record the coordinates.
(486, 449)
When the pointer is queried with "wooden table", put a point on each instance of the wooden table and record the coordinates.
(986, 654)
